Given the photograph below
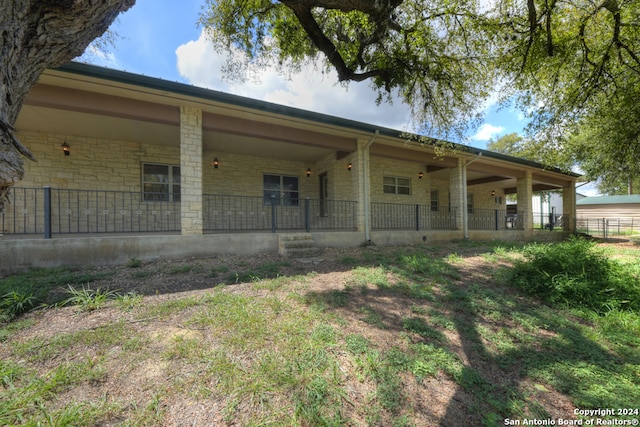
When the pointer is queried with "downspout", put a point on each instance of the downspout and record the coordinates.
(367, 191)
(465, 213)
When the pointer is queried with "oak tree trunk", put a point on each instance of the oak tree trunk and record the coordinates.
(35, 35)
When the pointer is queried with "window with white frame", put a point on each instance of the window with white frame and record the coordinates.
(281, 189)
(396, 185)
(160, 182)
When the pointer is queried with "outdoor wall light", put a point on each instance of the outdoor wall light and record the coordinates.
(65, 148)
(493, 192)
(349, 166)
(308, 172)
(420, 175)
(215, 163)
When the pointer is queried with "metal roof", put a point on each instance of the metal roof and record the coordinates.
(610, 200)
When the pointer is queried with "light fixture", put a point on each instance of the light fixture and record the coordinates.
(493, 192)
(349, 166)
(216, 163)
(65, 148)
(420, 175)
(308, 172)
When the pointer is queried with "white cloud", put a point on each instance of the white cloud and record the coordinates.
(310, 89)
(487, 131)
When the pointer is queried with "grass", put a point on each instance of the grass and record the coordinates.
(405, 325)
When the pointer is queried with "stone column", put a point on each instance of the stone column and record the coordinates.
(456, 193)
(569, 208)
(361, 172)
(191, 170)
(525, 201)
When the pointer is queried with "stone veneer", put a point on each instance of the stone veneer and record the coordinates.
(191, 170)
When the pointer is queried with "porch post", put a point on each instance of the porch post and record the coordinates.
(191, 171)
(457, 198)
(362, 185)
(525, 200)
(569, 208)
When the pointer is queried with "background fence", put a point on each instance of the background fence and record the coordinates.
(608, 227)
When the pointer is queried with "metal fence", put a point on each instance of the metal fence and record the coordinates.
(244, 213)
(393, 216)
(495, 219)
(48, 211)
(549, 221)
(608, 227)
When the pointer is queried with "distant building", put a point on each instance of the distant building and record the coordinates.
(609, 206)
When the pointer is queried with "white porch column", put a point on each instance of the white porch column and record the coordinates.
(457, 196)
(191, 170)
(525, 200)
(569, 207)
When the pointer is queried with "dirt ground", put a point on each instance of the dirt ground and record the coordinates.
(438, 401)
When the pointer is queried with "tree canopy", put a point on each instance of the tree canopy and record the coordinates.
(569, 63)
(434, 54)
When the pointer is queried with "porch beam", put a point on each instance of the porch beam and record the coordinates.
(410, 155)
(483, 166)
(486, 180)
(212, 122)
(534, 187)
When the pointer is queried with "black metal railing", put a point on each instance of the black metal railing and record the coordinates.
(50, 211)
(245, 213)
(494, 219)
(549, 221)
(393, 216)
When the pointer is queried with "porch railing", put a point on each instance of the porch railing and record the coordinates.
(244, 213)
(48, 211)
(393, 216)
(495, 219)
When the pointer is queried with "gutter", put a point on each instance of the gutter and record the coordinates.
(366, 182)
(465, 213)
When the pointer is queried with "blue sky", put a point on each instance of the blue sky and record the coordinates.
(160, 38)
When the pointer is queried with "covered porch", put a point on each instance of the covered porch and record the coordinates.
(128, 155)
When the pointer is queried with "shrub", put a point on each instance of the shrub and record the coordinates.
(576, 272)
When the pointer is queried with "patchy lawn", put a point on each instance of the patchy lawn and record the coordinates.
(399, 336)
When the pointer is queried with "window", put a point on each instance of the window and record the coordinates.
(160, 183)
(396, 185)
(434, 200)
(283, 188)
(469, 203)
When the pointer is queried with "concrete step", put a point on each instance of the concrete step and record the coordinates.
(299, 245)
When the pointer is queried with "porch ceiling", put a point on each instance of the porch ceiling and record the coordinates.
(70, 123)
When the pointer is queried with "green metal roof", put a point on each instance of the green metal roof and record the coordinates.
(213, 95)
(610, 200)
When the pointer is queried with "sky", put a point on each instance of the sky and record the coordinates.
(161, 38)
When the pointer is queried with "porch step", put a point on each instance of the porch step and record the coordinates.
(299, 245)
